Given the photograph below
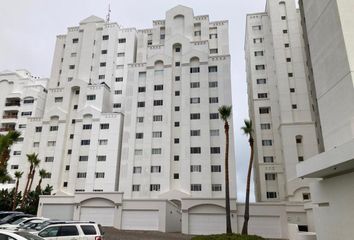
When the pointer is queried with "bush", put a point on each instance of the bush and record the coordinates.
(228, 237)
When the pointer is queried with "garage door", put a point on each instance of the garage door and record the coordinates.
(203, 224)
(268, 227)
(140, 220)
(59, 212)
(101, 215)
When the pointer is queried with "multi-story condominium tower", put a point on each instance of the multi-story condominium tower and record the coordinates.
(329, 36)
(173, 140)
(22, 96)
(279, 104)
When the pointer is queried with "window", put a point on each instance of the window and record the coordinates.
(71, 136)
(49, 159)
(175, 176)
(158, 102)
(197, 33)
(140, 119)
(121, 54)
(196, 168)
(195, 133)
(28, 101)
(73, 121)
(264, 110)
(176, 158)
(138, 152)
(67, 167)
(194, 70)
(176, 140)
(270, 176)
(288, 59)
(213, 100)
(119, 79)
(213, 35)
(53, 128)
(26, 113)
(65, 184)
(101, 158)
(156, 151)
(101, 77)
(213, 69)
(177, 78)
(306, 196)
(177, 64)
(271, 195)
(260, 67)
(195, 116)
(104, 51)
(122, 40)
(83, 158)
(215, 150)
(16, 153)
(75, 107)
(156, 134)
(117, 105)
(294, 106)
(36, 144)
(139, 135)
(195, 150)
(75, 40)
(216, 187)
(258, 53)
(300, 158)
(257, 27)
(265, 126)
(196, 187)
(267, 142)
(195, 100)
(157, 118)
(214, 51)
(158, 87)
(102, 142)
(257, 40)
(268, 159)
(71, 66)
(298, 139)
(195, 84)
(214, 132)
(154, 187)
(261, 81)
(285, 31)
(287, 45)
(87, 126)
(177, 108)
(85, 142)
(262, 95)
(99, 174)
(137, 169)
(177, 49)
(104, 126)
(141, 104)
(90, 97)
(155, 169)
(213, 84)
(58, 99)
(177, 93)
(21, 126)
(88, 229)
(136, 188)
(292, 90)
(81, 175)
(214, 115)
(215, 168)
(51, 143)
(141, 89)
(290, 75)
(283, 17)
(176, 124)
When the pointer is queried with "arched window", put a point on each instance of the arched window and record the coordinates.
(194, 62)
(178, 26)
(158, 68)
(177, 48)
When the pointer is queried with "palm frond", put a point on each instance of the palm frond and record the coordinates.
(225, 112)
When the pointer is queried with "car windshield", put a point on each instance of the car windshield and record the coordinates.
(28, 236)
(14, 219)
(7, 218)
(42, 225)
(20, 220)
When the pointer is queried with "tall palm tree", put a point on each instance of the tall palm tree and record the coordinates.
(225, 113)
(6, 142)
(18, 175)
(34, 162)
(248, 130)
(42, 174)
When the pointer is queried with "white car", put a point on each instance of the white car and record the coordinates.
(12, 235)
(72, 231)
(20, 222)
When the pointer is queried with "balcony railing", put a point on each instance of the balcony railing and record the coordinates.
(11, 104)
(6, 129)
(9, 117)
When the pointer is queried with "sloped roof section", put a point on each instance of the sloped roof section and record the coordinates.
(91, 19)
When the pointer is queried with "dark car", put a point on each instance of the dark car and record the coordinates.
(13, 217)
(7, 213)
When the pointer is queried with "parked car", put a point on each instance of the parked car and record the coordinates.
(7, 213)
(32, 224)
(13, 217)
(20, 222)
(14, 235)
(72, 231)
(43, 225)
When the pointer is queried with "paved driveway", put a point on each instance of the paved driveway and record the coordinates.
(115, 234)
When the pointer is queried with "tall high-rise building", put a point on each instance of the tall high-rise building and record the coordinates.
(284, 118)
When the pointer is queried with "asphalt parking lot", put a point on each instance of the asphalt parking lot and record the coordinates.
(115, 234)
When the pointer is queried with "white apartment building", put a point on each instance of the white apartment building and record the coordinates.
(22, 96)
(329, 35)
(279, 104)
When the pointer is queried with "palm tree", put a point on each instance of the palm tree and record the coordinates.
(18, 175)
(34, 162)
(225, 113)
(6, 142)
(248, 130)
(42, 174)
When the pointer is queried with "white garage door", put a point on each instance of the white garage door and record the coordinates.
(203, 224)
(101, 215)
(56, 211)
(140, 220)
(268, 227)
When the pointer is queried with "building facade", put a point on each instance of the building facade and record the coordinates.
(328, 32)
(279, 105)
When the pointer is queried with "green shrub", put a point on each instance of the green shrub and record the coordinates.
(228, 237)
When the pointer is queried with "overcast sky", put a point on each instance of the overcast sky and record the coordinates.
(28, 30)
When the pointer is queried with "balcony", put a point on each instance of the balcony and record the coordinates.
(10, 115)
(11, 102)
(7, 128)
